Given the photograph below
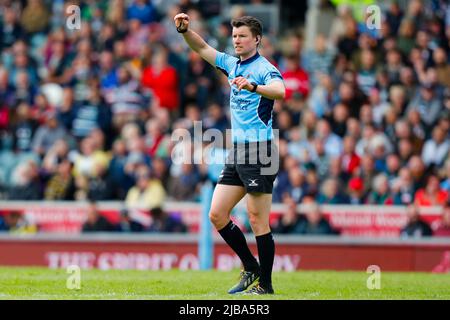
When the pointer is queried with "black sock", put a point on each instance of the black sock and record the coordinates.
(234, 237)
(266, 252)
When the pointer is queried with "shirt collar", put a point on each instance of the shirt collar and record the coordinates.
(247, 61)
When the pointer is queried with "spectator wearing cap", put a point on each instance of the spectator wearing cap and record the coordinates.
(415, 227)
(356, 191)
(147, 193)
(443, 226)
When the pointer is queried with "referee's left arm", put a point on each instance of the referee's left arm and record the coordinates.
(274, 90)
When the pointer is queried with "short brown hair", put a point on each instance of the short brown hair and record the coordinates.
(254, 24)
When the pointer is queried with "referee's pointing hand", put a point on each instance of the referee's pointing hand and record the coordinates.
(242, 83)
(181, 21)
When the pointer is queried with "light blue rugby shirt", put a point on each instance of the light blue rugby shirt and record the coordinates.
(251, 113)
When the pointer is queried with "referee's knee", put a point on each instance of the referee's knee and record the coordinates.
(218, 219)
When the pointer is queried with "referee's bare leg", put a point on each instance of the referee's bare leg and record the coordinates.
(224, 199)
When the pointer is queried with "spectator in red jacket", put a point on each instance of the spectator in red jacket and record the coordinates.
(162, 79)
(295, 78)
(432, 194)
(349, 159)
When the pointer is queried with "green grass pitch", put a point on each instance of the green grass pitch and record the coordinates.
(43, 283)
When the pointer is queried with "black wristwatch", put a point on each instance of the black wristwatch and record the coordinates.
(255, 85)
(180, 30)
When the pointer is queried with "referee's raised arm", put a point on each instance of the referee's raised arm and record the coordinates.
(194, 40)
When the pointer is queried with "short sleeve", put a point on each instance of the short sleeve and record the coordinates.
(225, 62)
(271, 74)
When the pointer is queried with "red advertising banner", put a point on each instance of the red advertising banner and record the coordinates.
(370, 221)
(165, 252)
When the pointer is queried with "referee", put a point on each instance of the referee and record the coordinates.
(255, 84)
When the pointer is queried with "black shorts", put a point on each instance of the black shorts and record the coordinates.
(253, 166)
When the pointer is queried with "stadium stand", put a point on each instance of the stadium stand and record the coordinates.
(89, 114)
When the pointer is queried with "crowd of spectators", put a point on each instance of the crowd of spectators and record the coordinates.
(88, 113)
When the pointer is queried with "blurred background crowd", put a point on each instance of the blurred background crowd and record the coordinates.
(88, 113)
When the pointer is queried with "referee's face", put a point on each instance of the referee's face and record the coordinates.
(244, 42)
